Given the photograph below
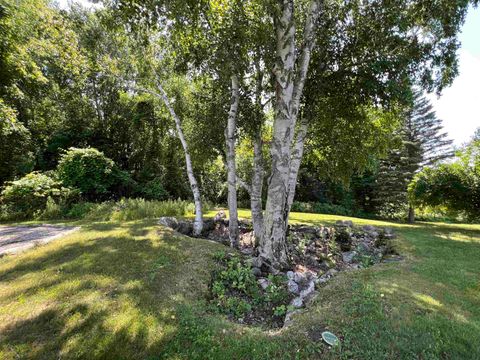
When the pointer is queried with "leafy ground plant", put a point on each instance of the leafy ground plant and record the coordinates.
(236, 292)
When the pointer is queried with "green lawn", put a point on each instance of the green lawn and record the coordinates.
(128, 291)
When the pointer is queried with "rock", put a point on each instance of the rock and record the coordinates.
(257, 262)
(219, 216)
(247, 239)
(389, 236)
(208, 225)
(369, 228)
(388, 230)
(264, 283)
(290, 275)
(293, 287)
(168, 221)
(322, 279)
(343, 237)
(297, 302)
(331, 272)
(374, 234)
(349, 256)
(185, 227)
(311, 261)
(363, 247)
(256, 271)
(308, 290)
(299, 277)
(246, 250)
(347, 223)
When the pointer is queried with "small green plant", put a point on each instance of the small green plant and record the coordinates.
(276, 292)
(366, 260)
(280, 310)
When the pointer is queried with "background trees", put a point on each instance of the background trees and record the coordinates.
(420, 142)
(322, 86)
(454, 185)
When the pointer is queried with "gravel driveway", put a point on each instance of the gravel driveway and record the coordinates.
(17, 238)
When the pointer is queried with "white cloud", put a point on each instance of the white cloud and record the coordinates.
(459, 105)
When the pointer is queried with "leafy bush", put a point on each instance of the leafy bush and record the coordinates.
(28, 197)
(454, 186)
(90, 171)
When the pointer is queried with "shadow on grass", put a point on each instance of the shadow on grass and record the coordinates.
(110, 291)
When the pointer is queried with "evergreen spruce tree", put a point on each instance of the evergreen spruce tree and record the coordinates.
(421, 142)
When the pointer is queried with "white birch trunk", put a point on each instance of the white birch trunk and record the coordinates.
(231, 168)
(257, 188)
(273, 245)
(297, 154)
(198, 222)
(289, 89)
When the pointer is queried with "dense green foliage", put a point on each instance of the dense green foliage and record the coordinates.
(454, 185)
(91, 172)
(420, 142)
(28, 197)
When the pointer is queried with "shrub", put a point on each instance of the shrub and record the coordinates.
(80, 210)
(27, 197)
(90, 171)
(153, 190)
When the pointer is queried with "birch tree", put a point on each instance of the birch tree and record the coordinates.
(230, 139)
(373, 51)
(289, 83)
(197, 199)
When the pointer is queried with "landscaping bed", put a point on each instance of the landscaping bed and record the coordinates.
(249, 291)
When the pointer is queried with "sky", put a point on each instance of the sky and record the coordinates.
(459, 105)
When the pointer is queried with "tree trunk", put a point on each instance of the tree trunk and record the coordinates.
(257, 187)
(273, 247)
(411, 214)
(231, 168)
(297, 154)
(289, 89)
(198, 222)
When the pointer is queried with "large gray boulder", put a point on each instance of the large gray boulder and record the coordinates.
(168, 221)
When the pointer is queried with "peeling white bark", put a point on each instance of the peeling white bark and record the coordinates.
(198, 222)
(297, 154)
(273, 245)
(289, 90)
(231, 166)
(257, 188)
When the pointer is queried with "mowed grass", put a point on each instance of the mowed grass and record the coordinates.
(134, 291)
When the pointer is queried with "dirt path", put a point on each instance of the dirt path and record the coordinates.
(18, 238)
